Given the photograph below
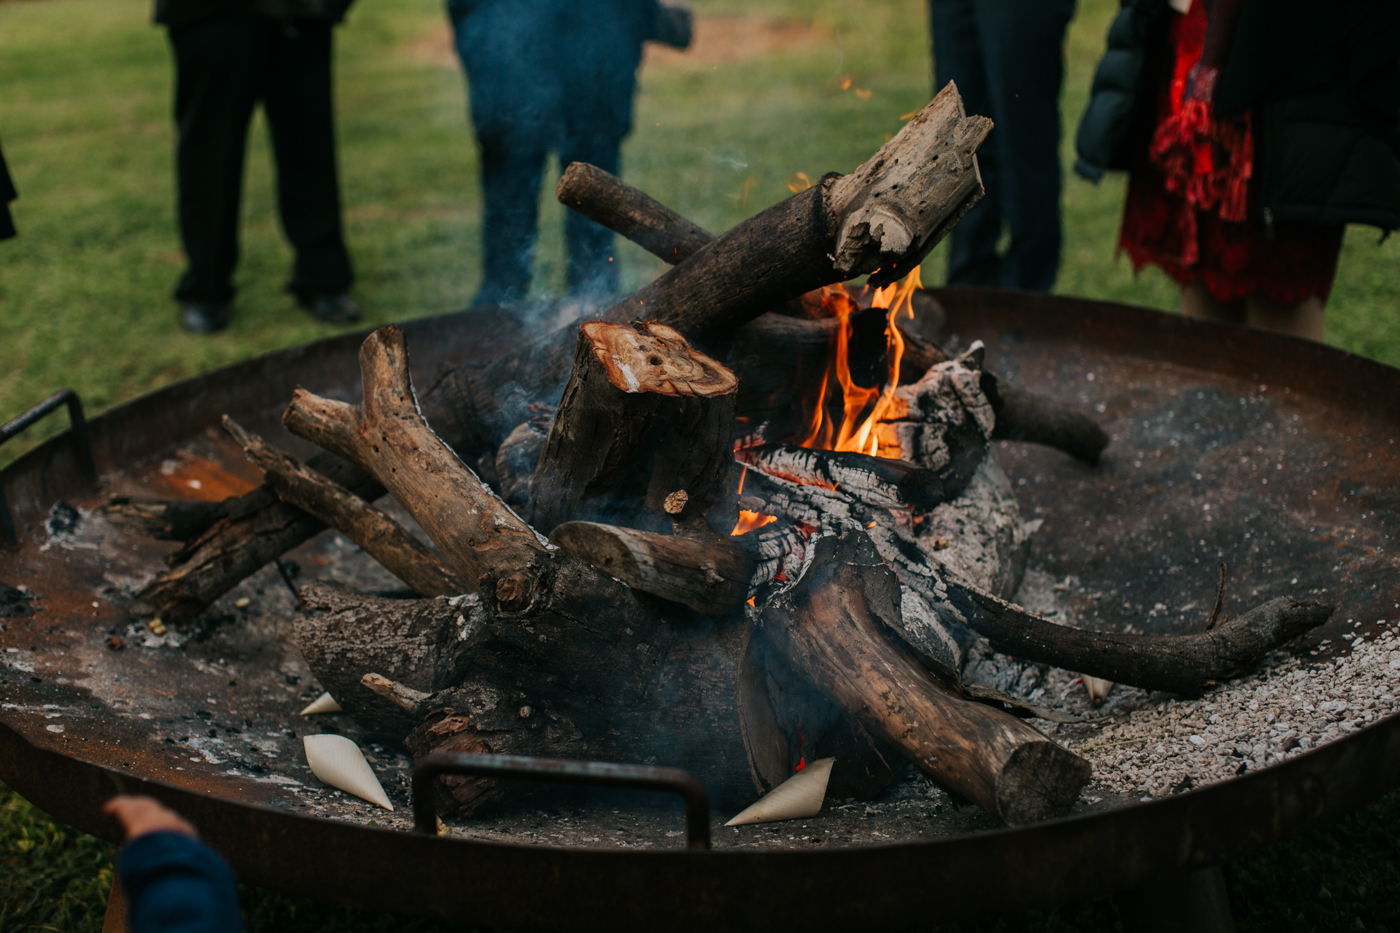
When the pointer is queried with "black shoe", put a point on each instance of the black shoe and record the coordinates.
(204, 317)
(333, 309)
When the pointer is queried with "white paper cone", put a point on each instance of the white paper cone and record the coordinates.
(325, 703)
(798, 797)
(1097, 688)
(340, 763)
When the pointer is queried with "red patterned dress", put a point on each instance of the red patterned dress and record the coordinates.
(1189, 204)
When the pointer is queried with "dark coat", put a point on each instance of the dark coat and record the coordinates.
(7, 194)
(177, 12)
(1324, 87)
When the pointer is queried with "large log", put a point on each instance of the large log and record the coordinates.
(644, 417)
(831, 625)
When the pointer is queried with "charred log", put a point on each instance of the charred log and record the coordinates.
(830, 627)
(1185, 664)
(644, 416)
(164, 519)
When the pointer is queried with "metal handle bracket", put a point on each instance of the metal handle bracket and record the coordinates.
(78, 427)
(562, 771)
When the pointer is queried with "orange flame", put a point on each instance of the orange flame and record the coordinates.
(862, 408)
(749, 521)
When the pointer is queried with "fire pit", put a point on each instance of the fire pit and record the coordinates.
(1272, 456)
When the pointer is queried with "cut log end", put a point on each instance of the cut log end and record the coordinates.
(651, 357)
(1039, 781)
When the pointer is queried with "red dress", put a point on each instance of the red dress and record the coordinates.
(1189, 204)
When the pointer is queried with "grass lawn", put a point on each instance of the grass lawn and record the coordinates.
(774, 88)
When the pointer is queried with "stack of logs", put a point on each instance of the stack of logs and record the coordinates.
(639, 628)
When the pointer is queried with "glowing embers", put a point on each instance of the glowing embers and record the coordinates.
(861, 409)
(751, 521)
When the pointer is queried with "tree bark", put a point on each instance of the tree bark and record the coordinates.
(606, 199)
(382, 538)
(1185, 664)
(644, 416)
(830, 627)
(710, 574)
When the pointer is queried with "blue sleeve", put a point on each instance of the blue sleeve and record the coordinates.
(176, 884)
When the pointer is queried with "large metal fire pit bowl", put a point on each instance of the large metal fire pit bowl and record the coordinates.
(1184, 401)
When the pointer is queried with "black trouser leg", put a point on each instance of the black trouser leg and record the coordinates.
(957, 56)
(300, 114)
(510, 182)
(592, 265)
(215, 91)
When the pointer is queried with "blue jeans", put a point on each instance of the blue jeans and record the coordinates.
(546, 76)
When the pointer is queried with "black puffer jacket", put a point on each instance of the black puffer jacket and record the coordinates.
(1324, 86)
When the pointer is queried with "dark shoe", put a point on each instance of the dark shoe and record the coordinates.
(204, 317)
(333, 309)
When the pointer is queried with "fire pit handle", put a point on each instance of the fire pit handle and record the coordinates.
(562, 771)
(78, 426)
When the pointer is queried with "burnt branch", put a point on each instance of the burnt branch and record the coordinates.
(382, 538)
(831, 628)
(606, 199)
(1185, 664)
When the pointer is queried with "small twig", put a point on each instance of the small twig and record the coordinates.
(1090, 748)
(1219, 601)
(285, 570)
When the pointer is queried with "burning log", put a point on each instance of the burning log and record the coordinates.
(830, 627)
(1185, 664)
(882, 482)
(644, 416)
(382, 538)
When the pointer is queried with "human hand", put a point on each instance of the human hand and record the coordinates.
(141, 815)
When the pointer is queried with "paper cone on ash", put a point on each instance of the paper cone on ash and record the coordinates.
(340, 763)
(798, 797)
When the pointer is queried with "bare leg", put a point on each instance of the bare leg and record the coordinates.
(1304, 319)
(1198, 302)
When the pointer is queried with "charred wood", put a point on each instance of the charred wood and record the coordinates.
(1185, 664)
(164, 519)
(831, 625)
(644, 416)
(382, 538)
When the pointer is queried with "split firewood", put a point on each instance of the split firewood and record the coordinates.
(382, 538)
(1185, 664)
(644, 416)
(830, 627)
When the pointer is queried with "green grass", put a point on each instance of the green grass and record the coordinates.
(84, 291)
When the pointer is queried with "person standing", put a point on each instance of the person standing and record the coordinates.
(550, 76)
(7, 194)
(1253, 132)
(1007, 58)
(231, 55)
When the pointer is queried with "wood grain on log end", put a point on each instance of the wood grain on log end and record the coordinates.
(651, 357)
(1039, 781)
